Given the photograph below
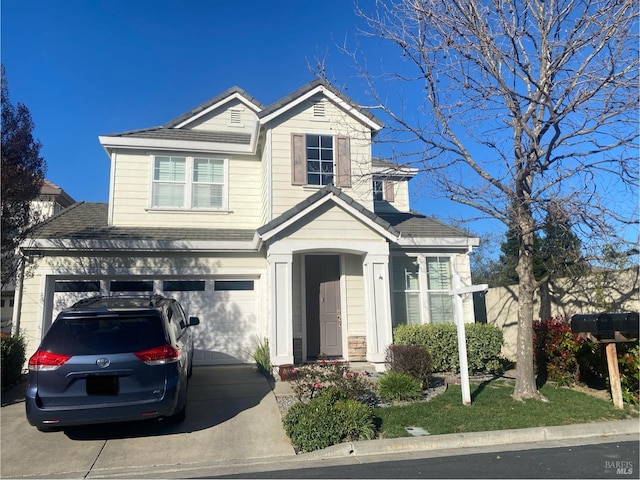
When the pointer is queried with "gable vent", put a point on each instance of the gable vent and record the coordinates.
(318, 110)
(235, 120)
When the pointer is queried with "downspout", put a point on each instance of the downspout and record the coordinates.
(17, 297)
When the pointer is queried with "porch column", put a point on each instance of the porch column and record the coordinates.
(378, 311)
(280, 322)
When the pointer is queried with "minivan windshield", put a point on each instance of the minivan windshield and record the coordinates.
(96, 335)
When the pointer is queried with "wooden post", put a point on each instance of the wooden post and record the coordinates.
(614, 375)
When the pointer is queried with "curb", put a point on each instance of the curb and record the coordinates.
(476, 439)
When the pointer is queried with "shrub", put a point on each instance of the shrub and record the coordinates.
(414, 360)
(326, 420)
(262, 357)
(556, 350)
(484, 343)
(13, 357)
(309, 379)
(398, 386)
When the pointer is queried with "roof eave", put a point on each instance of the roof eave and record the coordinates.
(105, 245)
(438, 242)
(111, 143)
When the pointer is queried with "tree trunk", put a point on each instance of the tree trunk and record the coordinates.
(525, 376)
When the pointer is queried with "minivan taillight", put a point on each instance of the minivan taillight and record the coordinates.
(159, 355)
(43, 361)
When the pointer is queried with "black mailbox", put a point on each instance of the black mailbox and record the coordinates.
(607, 326)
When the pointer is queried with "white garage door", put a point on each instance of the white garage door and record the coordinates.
(227, 309)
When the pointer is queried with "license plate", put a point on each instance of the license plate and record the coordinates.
(102, 385)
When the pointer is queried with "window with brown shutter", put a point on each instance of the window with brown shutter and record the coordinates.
(320, 160)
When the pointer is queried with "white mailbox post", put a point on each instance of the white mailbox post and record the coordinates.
(462, 343)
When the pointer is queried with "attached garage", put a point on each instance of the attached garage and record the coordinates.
(227, 307)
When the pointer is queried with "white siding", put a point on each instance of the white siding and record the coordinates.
(329, 222)
(300, 120)
(132, 190)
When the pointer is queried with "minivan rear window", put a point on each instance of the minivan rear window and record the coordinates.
(104, 334)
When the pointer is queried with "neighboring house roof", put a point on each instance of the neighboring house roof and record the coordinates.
(51, 189)
(88, 221)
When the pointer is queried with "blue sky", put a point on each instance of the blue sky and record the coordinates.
(90, 67)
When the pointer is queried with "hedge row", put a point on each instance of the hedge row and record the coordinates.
(484, 343)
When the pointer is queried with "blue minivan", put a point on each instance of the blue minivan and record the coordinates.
(112, 359)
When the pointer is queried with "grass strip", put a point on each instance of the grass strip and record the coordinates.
(492, 408)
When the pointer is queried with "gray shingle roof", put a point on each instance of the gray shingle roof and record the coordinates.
(416, 225)
(88, 221)
(187, 135)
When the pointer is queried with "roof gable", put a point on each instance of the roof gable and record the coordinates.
(314, 202)
(228, 96)
(315, 87)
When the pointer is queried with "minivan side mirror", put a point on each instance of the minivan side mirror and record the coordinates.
(193, 321)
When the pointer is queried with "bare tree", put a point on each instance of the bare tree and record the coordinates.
(523, 105)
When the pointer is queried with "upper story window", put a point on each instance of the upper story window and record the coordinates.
(383, 190)
(188, 183)
(319, 159)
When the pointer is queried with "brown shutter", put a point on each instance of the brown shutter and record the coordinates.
(389, 191)
(298, 159)
(343, 162)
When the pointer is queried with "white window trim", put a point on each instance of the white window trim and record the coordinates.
(333, 136)
(188, 190)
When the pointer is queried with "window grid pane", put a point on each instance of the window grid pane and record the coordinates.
(319, 159)
(377, 190)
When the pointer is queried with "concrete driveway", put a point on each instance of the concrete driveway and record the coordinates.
(232, 417)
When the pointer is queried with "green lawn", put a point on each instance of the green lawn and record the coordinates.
(492, 408)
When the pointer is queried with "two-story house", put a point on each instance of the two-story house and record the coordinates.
(266, 222)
